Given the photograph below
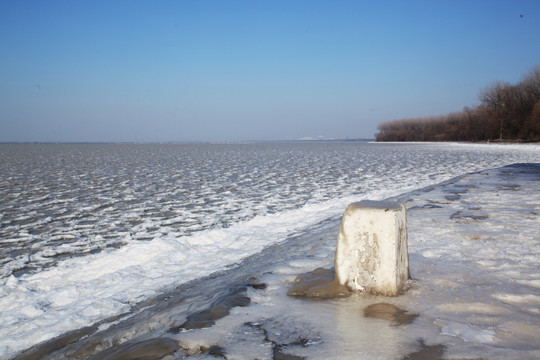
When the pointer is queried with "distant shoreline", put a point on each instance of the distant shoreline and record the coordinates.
(363, 140)
(191, 141)
(497, 141)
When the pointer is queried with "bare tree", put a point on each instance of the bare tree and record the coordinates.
(492, 99)
(531, 83)
(509, 112)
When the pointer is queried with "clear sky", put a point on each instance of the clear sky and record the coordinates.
(200, 70)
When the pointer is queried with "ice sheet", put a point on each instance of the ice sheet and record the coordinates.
(456, 306)
(134, 250)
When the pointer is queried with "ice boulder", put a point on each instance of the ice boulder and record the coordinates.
(371, 252)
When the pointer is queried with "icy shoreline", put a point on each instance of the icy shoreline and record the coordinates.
(474, 258)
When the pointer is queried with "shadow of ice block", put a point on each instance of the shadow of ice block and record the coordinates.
(371, 252)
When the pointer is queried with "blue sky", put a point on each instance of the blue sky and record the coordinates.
(199, 70)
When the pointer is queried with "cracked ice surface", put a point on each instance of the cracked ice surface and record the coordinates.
(88, 241)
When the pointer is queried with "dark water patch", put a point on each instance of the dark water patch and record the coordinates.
(426, 206)
(23, 222)
(139, 350)
(389, 312)
(42, 350)
(135, 222)
(23, 271)
(456, 189)
(469, 215)
(427, 352)
(217, 310)
(91, 345)
(258, 286)
(284, 336)
(144, 238)
(452, 197)
(86, 222)
(530, 170)
(510, 187)
(216, 351)
(46, 349)
(278, 354)
(319, 283)
(441, 202)
(454, 192)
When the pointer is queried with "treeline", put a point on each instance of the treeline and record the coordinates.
(506, 113)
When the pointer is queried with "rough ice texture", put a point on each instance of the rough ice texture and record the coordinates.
(371, 252)
(472, 294)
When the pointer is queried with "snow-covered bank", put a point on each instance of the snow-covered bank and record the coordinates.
(474, 257)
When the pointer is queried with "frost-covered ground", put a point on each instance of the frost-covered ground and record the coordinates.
(474, 258)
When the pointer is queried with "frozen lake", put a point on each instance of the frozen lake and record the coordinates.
(99, 233)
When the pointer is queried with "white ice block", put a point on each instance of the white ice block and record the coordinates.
(371, 252)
